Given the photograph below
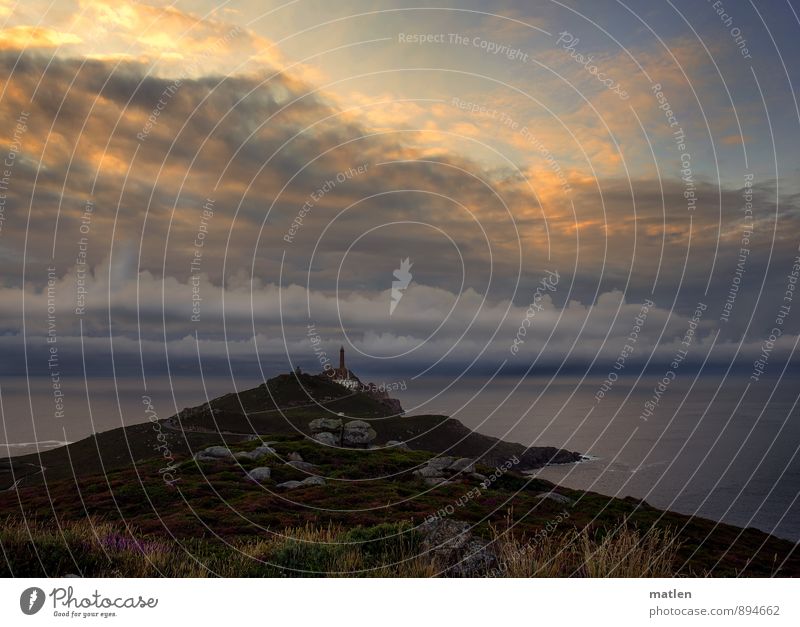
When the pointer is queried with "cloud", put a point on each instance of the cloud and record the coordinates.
(136, 318)
(23, 37)
(356, 185)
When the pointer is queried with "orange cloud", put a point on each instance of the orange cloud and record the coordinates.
(735, 140)
(18, 37)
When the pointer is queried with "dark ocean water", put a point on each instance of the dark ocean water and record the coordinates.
(719, 449)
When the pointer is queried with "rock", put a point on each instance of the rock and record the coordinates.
(326, 438)
(432, 481)
(555, 496)
(358, 432)
(294, 457)
(221, 452)
(479, 477)
(259, 474)
(397, 444)
(255, 454)
(292, 485)
(325, 424)
(464, 465)
(455, 550)
(214, 452)
(393, 405)
(304, 466)
(440, 463)
(427, 472)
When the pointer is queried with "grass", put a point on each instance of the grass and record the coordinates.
(623, 552)
(93, 548)
(215, 521)
(101, 549)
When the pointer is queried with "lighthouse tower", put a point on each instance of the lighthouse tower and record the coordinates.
(343, 376)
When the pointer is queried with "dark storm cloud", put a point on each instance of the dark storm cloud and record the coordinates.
(270, 144)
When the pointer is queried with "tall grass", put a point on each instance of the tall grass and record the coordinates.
(101, 549)
(623, 552)
(97, 548)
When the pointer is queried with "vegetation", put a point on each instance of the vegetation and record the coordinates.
(95, 548)
(622, 552)
(365, 521)
(135, 502)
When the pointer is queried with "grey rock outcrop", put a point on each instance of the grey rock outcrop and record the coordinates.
(256, 454)
(440, 463)
(428, 472)
(213, 453)
(325, 424)
(358, 433)
(432, 481)
(259, 474)
(455, 550)
(440, 470)
(479, 477)
(397, 444)
(464, 465)
(310, 481)
(326, 437)
(556, 497)
(304, 466)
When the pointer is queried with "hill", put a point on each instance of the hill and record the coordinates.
(244, 475)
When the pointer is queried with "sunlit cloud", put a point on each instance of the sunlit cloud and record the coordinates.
(21, 37)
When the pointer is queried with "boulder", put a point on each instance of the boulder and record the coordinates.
(464, 465)
(259, 474)
(326, 438)
(304, 466)
(358, 432)
(397, 444)
(294, 456)
(479, 477)
(432, 481)
(255, 454)
(427, 472)
(214, 452)
(440, 463)
(455, 550)
(309, 481)
(556, 497)
(325, 424)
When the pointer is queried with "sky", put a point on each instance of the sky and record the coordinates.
(208, 187)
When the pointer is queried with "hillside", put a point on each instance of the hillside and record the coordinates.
(284, 405)
(248, 470)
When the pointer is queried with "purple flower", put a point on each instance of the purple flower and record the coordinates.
(119, 542)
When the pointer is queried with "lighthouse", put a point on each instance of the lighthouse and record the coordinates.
(343, 376)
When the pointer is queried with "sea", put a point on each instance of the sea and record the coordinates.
(716, 446)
